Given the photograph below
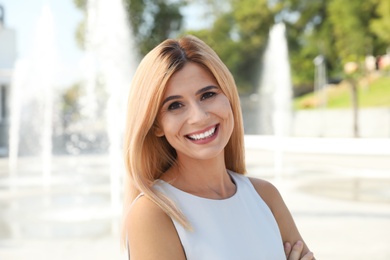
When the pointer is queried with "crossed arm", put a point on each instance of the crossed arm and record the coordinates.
(295, 247)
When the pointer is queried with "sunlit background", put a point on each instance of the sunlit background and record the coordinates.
(314, 83)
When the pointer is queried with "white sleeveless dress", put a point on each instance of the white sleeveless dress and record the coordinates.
(241, 227)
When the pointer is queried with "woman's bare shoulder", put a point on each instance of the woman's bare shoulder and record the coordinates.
(143, 210)
(267, 191)
(151, 232)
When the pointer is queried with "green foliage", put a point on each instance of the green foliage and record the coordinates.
(253, 19)
(239, 36)
(80, 29)
(349, 23)
(380, 25)
(81, 4)
(153, 21)
(70, 105)
(308, 36)
(80, 34)
(340, 30)
(376, 94)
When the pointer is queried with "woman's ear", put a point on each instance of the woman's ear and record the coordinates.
(157, 130)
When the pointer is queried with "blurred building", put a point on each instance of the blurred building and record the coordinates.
(7, 60)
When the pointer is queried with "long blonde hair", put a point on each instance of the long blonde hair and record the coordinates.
(146, 155)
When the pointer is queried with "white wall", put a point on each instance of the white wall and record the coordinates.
(373, 123)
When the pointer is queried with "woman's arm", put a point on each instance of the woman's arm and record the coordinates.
(274, 200)
(151, 233)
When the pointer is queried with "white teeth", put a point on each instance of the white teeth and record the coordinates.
(203, 135)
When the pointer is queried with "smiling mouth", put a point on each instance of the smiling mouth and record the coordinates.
(207, 134)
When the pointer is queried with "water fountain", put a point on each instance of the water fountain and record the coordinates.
(72, 194)
(32, 100)
(109, 40)
(276, 93)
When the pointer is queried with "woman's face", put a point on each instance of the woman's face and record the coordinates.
(196, 117)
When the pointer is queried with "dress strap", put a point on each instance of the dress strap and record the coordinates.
(128, 248)
(136, 198)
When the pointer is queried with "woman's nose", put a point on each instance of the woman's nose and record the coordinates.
(198, 113)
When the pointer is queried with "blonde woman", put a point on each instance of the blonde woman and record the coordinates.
(186, 195)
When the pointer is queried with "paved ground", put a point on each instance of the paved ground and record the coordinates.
(340, 203)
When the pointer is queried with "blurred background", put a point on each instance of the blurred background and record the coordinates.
(314, 83)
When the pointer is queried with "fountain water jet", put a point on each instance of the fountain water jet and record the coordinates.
(276, 93)
(32, 100)
(110, 43)
(83, 197)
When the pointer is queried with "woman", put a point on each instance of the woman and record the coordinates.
(186, 196)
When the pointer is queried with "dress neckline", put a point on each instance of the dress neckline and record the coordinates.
(187, 194)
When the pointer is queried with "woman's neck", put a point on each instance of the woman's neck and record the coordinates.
(204, 178)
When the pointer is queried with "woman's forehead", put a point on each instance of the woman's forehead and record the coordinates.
(191, 75)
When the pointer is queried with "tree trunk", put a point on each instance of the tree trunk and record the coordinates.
(355, 107)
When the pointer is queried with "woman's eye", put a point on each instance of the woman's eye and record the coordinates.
(174, 105)
(208, 95)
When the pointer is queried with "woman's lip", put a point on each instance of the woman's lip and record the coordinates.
(205, 140)
(202, 131)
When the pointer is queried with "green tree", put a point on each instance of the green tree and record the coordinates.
(336, 29)
(153, 21)
(340, 30)
(350, 20)
(380, 24)
(239, 35)
(81, 28)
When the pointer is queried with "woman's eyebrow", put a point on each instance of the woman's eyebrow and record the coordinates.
(202, 90)
(205, 89)
(171, 98)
